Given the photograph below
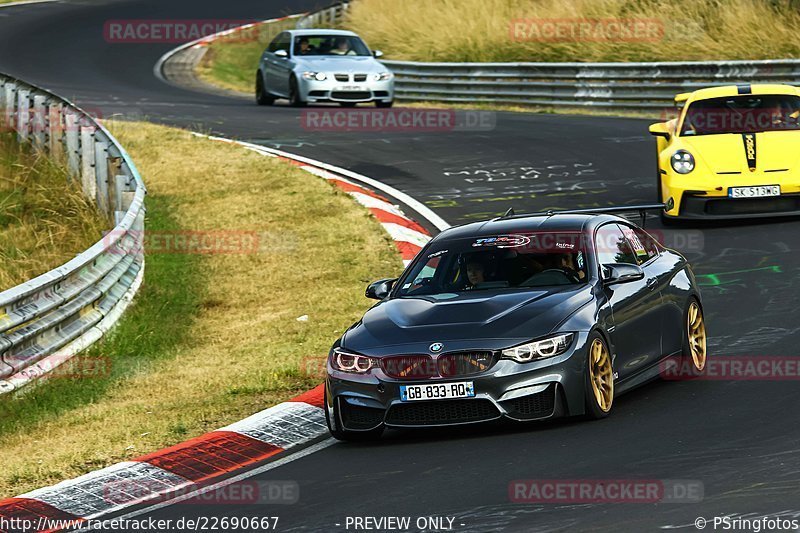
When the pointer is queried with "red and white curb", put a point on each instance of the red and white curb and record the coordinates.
(188, 467)
(180, 469)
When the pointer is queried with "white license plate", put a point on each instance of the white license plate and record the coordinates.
(760, 191)
(437, 391)
(348, 88)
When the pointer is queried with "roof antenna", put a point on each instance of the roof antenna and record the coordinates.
(509, 213)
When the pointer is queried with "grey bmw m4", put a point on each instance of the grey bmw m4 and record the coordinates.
(524, 317)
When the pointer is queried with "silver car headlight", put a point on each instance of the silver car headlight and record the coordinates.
(682, 162)
(351, 362)
(319, 76)
(382, 76)
(541, 349)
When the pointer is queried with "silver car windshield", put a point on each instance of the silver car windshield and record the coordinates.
(329, 45)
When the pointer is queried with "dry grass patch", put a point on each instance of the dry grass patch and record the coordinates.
(44, 218)
(212, 338)
(480, 30)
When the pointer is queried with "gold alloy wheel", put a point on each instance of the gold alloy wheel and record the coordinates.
(697, 336)
(601, 375)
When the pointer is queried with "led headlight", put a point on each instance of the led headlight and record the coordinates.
(542, 349)
(682, 162)
(350, 362)
(319, 76)
(382, 76)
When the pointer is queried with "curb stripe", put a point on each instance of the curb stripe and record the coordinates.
(25, 509)
(210, 455)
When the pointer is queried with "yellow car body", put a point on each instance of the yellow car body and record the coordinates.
(746, 153)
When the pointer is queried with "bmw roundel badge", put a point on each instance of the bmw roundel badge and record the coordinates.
(436, 347)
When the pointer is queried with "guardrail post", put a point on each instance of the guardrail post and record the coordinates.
(55, 132)
(38, 123)
(9, 114)
(73, 143)
(101, 174)
(124, 193)
(23, 114)
(88, 179)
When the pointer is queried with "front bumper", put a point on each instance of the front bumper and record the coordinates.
(522, 392)
(330, 90)
(705, 197)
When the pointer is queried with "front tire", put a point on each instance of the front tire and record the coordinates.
(599, 378)
(294, 94)
(339, 433)
(384, 105)
(262, 96)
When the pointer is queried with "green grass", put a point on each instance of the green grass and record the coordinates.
(231, 62)
(44, 218)
(212, 338)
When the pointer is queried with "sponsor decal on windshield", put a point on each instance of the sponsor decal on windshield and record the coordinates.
(503, 241)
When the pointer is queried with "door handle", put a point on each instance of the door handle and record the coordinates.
(652, 283)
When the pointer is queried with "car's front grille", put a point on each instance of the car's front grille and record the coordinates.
(465, 363)
(539, 405)
(351, 95)
(409, 367)
(359, 77)
(342, 77)
(441, 412)
(358, 417)
(740, 206)
(381, 94)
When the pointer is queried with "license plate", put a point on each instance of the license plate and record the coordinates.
(760, 191)
(438, 391)
(348, 88)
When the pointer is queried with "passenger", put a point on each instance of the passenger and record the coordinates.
(342, 47)
(476, 274)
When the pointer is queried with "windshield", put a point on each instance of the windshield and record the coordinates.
(498, 262)
(742, 114)
(329, 45)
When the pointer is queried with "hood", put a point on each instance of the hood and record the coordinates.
(358, 64)
(773, 150)
(496, 319)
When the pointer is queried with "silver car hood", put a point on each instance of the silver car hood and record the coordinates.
(362, 64)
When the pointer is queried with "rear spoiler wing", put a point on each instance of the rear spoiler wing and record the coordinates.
(613, 210)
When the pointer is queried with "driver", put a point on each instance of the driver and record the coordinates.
(305, 47)
(476, 273)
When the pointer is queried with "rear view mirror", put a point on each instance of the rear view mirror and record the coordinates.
(660, 130)
(281, 53)
(614, 273)
(380, 289)
(377, 53)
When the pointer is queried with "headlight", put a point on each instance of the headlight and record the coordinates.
(382, 76)
(350, 362)
(319, 76)
(549, 347)
(682, 162)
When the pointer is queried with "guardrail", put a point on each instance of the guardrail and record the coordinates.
(632, 86)
(50, 318)
(328, 16)
(637, 86)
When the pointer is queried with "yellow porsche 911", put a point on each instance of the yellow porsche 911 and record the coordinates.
(733, 152)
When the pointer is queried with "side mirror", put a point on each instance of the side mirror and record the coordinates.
(380, 289)
(283, 54)
(660, 130)
(614, 273)
(377, 53)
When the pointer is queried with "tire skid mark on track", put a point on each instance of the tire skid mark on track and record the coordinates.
(191, 466)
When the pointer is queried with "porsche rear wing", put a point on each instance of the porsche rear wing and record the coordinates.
(612, 210)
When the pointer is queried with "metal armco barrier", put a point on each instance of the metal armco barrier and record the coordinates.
(624, 86)
(635, 86)
(50, 318)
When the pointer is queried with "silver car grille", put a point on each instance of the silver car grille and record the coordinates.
(342, 77)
